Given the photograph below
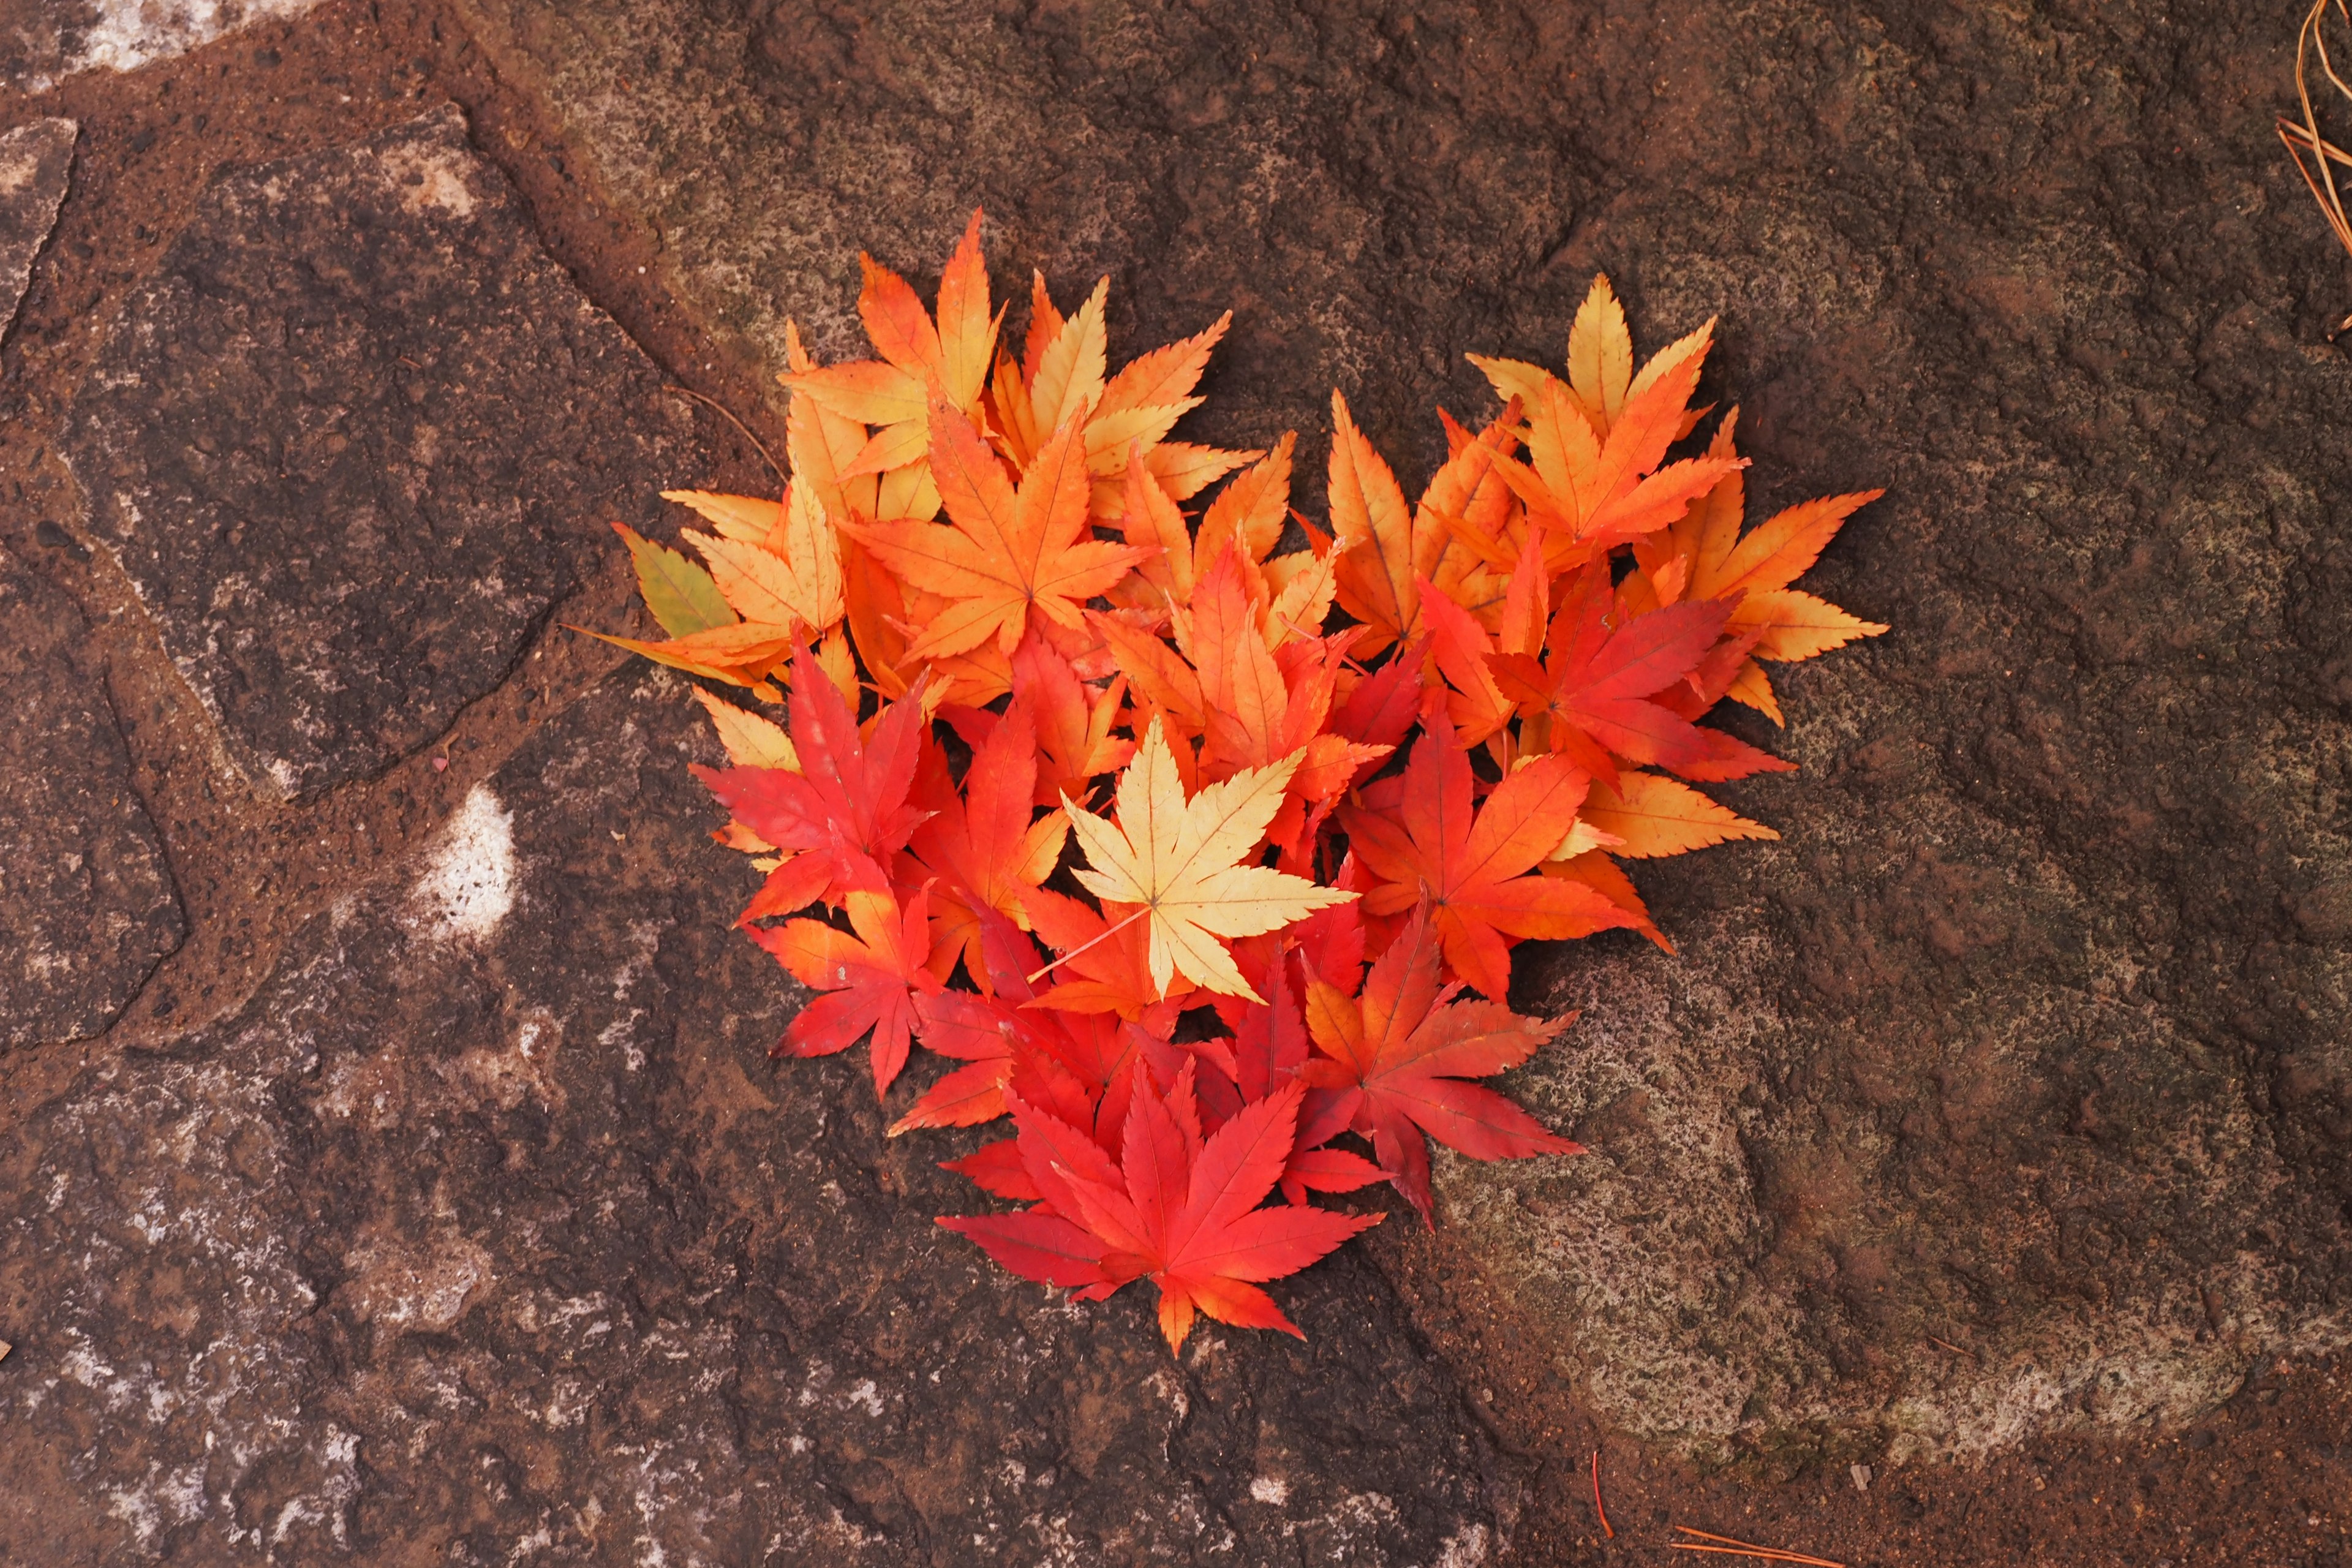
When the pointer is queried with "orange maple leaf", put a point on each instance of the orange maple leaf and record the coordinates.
(1105, 965)
(1705, 556)
(1009, 552)
(918, 355)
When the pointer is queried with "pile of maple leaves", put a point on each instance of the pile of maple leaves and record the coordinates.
(1537, 634)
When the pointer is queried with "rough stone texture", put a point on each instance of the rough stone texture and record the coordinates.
(35, 160)
(44, 41)
(2031, 1038)
(487, 1234)
(86, 909)
(351, 438)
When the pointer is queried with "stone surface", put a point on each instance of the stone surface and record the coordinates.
(34, 160)
(86, 909)
(351, 438)
(2030, 1038)
(44, 41)
(488, 1234)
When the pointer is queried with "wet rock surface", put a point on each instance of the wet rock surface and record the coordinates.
(488, 1222)
(36, 159)
(44, 41)
(351, 439)
(2011, 1092)
(87, 907)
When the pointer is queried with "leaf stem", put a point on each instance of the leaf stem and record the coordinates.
(1090, 942)
(728, 415)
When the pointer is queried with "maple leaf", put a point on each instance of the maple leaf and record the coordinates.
(1009, 552)
(1595, 683)
(1187, 1216)
(980, 844)
(839, 819)
(1653, 817)
(681, 595)
(868, 981)
(1060, 376)
(777, 563)
(989, 1034)
(1178, 859)
(917, 353)
(1178, 1209)
(1142, 402)
(741, 653)
(1705, 556)
(1475, 870)
(1257, 708)
(1400, 1054)
(1595, 869)
(752, 740)
(1247, 516)
(1382, 554)
(1595, 444)
(1074, 724)
(1105, 965)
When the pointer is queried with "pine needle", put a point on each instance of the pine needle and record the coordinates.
(2303, 137)
(1732, 1547)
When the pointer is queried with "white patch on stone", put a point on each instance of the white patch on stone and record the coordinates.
(1272, 1491)
(469, 885)
(128, 34)
(424, 1287)
(432, 181)
(1465, 1547)
(20, 155)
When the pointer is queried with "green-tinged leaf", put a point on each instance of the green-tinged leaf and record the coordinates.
(682, 595)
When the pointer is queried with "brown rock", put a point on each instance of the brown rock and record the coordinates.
(86, 907)
(35, 159)
(351, 438)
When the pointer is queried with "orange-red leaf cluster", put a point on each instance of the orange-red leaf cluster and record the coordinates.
(1195, 834)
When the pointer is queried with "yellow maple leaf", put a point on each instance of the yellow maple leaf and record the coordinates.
(777, 563)
(1176, 858)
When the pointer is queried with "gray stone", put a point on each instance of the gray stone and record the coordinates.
(351, 438)
(42, 42)
(2030, 1038)
(489, 1230)
(35, 160)
(86, 907)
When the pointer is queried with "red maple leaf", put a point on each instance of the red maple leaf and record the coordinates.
(1475, 870)
(1398, 1055)
(839, 820)
(869, 981)
(979, 842)
(1177, 1208)
(1596, 682)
